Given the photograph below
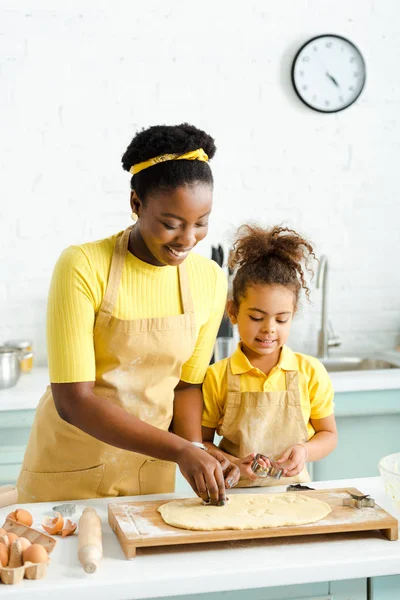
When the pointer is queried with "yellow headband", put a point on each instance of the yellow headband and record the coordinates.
(192, 155)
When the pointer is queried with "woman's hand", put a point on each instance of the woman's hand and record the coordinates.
(245, 463)
(231, 471)
(293, 460)
(204, 473)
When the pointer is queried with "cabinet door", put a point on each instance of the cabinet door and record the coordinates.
(385, 588)
(368, 426)
(351, 589)
(14, 434)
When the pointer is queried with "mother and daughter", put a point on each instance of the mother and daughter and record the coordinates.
(131, 325)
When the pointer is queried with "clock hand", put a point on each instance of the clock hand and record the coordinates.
(332, 79)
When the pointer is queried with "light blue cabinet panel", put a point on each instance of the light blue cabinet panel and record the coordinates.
(368, 427)
(15, 428)
(385, 588)
(353, 589)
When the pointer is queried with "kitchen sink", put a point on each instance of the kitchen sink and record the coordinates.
(356, 363)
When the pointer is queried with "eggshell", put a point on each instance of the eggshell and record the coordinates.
(35, 554)
(15, 559)
(53, 526)
(2, 531)
(69, 528)
(11, 537)
(21, 516)
(4, 540)
(3, 555)
(24, 543)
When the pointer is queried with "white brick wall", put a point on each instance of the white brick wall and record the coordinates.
(76, 83)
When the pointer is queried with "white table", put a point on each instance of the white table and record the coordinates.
(211, 567)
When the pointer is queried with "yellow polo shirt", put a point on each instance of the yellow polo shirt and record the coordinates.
(316, 391)
(77, 289)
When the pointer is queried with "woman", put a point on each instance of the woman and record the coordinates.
(131, 324)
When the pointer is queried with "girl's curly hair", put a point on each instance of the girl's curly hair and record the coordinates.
(277, 255)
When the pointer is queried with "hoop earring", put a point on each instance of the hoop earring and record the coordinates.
(134, 217)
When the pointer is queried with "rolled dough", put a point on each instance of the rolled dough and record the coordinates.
(245, 511)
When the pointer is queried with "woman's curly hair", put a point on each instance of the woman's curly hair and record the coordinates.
(277, 255)
(169, 175)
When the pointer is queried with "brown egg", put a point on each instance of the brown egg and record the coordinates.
(35, 554)
(3, 555)
(21, 516)
(11, 537)
(24, 543)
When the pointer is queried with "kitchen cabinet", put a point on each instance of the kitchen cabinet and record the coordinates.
(353, 589)
(368, 426)
(15, 426)
(385, 588)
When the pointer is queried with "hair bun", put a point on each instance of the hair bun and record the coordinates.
(166, 139)
(274, 255)
(253, 244)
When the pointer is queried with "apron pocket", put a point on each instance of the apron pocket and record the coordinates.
(35, 486)
(157, 477)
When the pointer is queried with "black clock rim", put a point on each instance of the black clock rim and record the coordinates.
(318, 37)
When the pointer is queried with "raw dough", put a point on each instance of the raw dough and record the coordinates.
(245, 511)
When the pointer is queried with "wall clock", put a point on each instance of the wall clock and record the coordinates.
(328, 73)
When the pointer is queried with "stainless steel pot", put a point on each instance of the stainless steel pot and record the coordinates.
(10, 366)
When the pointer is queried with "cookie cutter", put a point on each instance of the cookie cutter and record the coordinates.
(272, 471)
(297, 487)
(359, 501)
(219, 503)
(66, 510)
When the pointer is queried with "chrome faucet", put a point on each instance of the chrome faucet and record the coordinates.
(326, 337)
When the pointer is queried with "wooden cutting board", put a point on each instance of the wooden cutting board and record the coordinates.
(139, 524)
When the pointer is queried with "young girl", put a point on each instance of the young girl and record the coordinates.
(266, 398)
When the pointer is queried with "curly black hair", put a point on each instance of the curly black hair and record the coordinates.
(276, 255)
(169, 175)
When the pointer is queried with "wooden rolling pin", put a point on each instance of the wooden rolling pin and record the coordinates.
(8, 495)
(90, 547)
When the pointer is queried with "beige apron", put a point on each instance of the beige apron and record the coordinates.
(266, 422)
(138, 365)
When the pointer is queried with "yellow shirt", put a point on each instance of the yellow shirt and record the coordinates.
(77, 288)
(316, 391)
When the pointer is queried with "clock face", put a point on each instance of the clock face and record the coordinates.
(328, 73)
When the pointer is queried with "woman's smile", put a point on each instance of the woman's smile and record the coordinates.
(176, 253)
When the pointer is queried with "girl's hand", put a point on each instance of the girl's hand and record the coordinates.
(293, 460)
(245, 463)
(231, 472)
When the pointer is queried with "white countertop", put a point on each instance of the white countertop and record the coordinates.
(28, 391)
(211, 567)
(31, 386)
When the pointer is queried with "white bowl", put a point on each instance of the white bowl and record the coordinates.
(389, 468)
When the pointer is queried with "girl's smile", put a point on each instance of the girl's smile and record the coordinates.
(264, 317)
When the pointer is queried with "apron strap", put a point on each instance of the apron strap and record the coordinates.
(233, 380)
(116, 269)
(292, 381)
